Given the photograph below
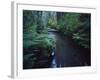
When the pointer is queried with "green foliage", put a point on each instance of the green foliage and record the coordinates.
(45, 43)
(27, 19)
(32, 24)
(72, 21)
(40, 40)
(82, 36)
(52, 23)
(35, 36)
(82, 39)
(68, 23)
(77, 26)
(35, 31)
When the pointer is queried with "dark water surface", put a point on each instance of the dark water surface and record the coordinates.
(67, 53)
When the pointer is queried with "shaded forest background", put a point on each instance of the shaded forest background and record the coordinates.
(36, 25)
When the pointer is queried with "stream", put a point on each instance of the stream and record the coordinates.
(67, 53)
